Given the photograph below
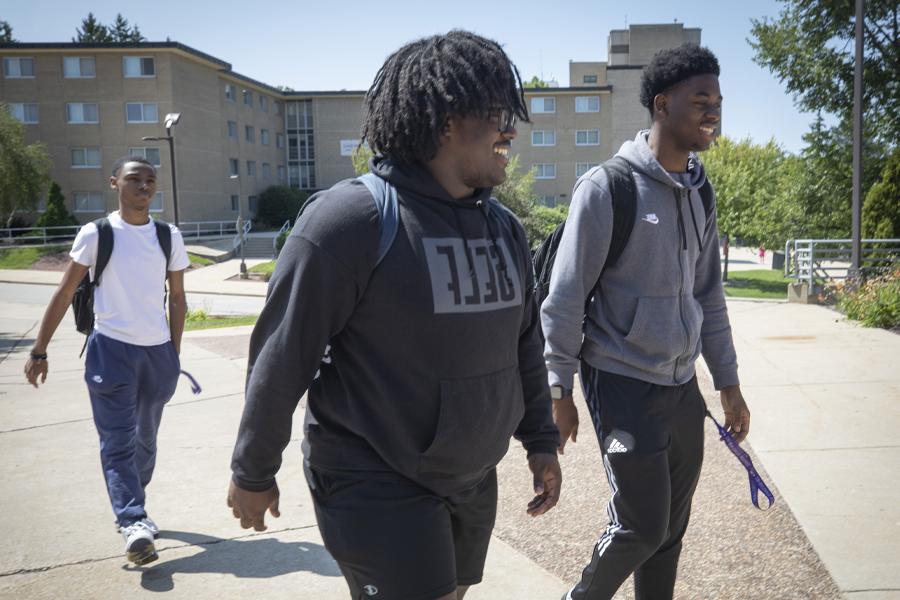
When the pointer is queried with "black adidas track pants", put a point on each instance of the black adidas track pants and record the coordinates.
(651, 438)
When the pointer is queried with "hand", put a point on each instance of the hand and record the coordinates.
(565, 415)
(250, 507)
(737, 415)
(547, 483)
(35, 368)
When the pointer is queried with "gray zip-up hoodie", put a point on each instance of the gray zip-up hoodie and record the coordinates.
(662, 303)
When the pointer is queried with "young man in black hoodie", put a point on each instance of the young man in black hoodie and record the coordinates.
(653, 313)
(435, 356)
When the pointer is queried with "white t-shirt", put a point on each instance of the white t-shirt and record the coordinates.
(129, 302)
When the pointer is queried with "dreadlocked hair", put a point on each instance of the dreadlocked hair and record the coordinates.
(670, 67)
(428, 80)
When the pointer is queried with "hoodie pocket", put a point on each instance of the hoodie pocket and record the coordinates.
(478, 416)
(656, 336)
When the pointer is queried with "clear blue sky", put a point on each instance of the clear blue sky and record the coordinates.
(339, 44)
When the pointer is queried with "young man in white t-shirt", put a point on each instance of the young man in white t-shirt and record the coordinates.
(132, 364)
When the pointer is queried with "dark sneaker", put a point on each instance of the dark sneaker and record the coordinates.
(139, 547)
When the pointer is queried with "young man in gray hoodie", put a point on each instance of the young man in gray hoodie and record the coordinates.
(653, 313)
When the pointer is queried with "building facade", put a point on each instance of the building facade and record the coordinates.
(92, 103)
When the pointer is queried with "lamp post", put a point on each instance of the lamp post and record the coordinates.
(170, 122)
(240, 224)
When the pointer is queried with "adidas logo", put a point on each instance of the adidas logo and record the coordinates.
(616, 447)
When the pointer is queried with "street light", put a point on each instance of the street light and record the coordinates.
(170, 122)
(240, 223)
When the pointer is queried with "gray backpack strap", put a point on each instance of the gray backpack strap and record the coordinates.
(385, 197)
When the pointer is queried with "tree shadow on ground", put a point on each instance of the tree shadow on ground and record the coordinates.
(249, 558)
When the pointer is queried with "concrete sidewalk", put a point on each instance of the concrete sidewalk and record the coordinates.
(58, 534)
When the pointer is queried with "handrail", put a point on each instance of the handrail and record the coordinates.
(238, 236)
(285, 227)
(30, 236)
(816, 261)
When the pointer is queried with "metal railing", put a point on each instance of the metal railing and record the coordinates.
(818, 261)
(37, 236)
(285, 227)
(198, 229)
(238, 238)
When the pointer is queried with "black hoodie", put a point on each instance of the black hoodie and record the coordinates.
(436, 358)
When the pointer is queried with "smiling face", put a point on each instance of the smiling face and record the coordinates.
(479, 151)
(690, 112)
(136, 185)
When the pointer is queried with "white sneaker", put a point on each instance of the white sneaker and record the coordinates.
(139, 547)
(153, 527)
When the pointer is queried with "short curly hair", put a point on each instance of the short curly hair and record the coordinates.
(670, 67)
(428, 80)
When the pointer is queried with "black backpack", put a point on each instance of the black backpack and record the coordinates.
(83, 300)
(624, 204)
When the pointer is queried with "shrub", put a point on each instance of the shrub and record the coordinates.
(874, 303)
(56, 215)
(279, 203)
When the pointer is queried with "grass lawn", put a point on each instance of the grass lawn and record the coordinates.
(23, 258)
(199, 260)
(266, 267)
(216, 322)
(758, 283)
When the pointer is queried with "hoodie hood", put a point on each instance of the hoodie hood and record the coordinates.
(638, 153)
(417, 179)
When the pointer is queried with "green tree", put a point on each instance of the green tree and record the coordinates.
(24, 168)
(536, 82)
(279, 203)
(809, 47)
(360, 158)
(881, 210)
(119, 31)
(92, 31)
(517, 194)
(56, 214)
(6, 33)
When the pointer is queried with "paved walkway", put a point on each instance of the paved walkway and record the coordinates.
(825, 396)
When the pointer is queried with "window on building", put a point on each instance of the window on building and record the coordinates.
(82, 112)
(24, 112)
(157, 204)
(279, 108)
(281, 173)
(248, 98)
(79, 66)
(548, 201)
(264, 137)
(253, 205)
(279, 140)
(582, 168)
(233, 168)
(251, 168)
(85, 158)
(543, 104)
(232, 129)
(235, 203)
(230, 92)
(545, 171)
(18, 67)
(543, 138)
(249, 134)
(264, 103)
(138, 66)
(587, 104)
(266, 171)
(149, 152)
(89, 202)
(587, 137)
(589, 79)
(142, 112)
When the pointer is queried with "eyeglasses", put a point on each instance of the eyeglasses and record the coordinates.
(506, 119)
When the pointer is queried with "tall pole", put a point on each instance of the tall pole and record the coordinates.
(856, 250)
(171, 139)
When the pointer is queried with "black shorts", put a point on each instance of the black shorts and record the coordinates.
(395, 540)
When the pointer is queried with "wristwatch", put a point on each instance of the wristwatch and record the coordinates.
(558, 392)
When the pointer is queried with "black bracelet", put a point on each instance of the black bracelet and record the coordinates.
(36, 356)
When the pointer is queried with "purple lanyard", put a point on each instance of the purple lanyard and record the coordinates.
(195, 387)
(756, 483)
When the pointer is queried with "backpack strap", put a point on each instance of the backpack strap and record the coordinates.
(105, 242)
(623, 192)
(706, 195)
(385, 198)
(164, 235)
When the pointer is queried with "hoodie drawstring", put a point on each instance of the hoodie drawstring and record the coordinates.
(694, 221)
(462, 232)
(503, 270)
